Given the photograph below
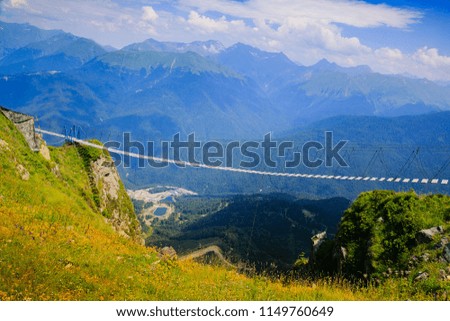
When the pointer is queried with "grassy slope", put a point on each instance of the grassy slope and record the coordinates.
(55, 245)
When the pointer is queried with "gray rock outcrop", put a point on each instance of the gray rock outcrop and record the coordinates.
(114, 202)
(25, 124)
(446, 253)
(316, 240)
(426, 236)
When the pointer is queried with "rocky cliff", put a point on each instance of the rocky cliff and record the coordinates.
(25, 124)
(113, 201)
(107, 194)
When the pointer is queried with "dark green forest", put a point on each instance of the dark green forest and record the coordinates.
(262, 231)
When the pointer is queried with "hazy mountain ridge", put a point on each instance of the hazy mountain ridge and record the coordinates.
(49, 51)
(15, 36)
(160, 88)
(376, 146)
(202, 48)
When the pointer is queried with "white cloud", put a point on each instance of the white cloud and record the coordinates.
(148, 21)
(424, 63)
(149, 14)
(209, 25)
(18, 3)
(308, 30)
(305, 30)
(349, 12)
(101, 20)
(318, 34)
(388, 53)
(431, 57)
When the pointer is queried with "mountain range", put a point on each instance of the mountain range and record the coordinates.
(156, 89)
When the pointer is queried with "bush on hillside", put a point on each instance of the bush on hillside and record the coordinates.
(379, 230)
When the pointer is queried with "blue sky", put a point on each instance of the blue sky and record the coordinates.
(393, 36)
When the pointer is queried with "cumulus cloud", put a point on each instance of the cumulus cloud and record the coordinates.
(149, 14)
(424, 63)
(18, 3)
(349, 12)
(209, 25)
(306, 31)
(431, 57)
(104, 21)
(389, 53)
(319, 34)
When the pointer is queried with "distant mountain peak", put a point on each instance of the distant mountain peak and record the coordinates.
(262, 66)
(244, 47)
(203, 48)
(139, 60)
(326, 65)
(241, 45)
(60, 51)
(241, 48)
(14, 36)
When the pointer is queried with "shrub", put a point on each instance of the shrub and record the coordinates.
(379, 229)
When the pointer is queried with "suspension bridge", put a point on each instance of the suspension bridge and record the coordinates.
(74, 137)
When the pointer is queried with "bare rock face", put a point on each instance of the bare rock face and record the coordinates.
(24, 174)
(105, 174)
(340, 255)
(43, 150)
(4, 145)
(25, 124)
(442, 243)
(316, 240)
(168, 252)
(422, 276)
(113, 200)
(446, 253)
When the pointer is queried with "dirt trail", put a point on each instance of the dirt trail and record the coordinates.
(213, 248)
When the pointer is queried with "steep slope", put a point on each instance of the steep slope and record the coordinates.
(156, 89)
(333, 91)
(56, 245)
(157, 94)
(325, 89)
(388, 235)
(98, 183)
(150, 94)
(57, 99)
(61, 52)
(266, 68)
(14, 36)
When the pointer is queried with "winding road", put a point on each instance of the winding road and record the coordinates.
(213, 248)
